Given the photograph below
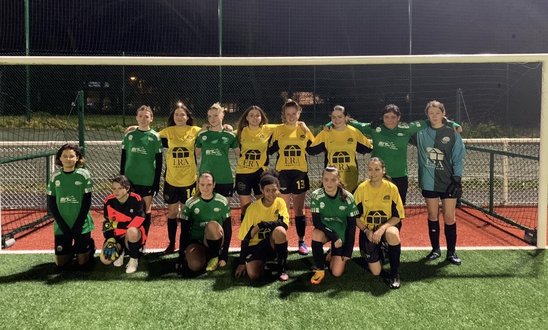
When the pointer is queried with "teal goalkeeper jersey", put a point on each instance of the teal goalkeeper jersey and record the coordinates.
(199, 212)
(441, 156)
(334, 211)
(215, 148)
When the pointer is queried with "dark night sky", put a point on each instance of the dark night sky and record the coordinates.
(275, 28)
(297, 28)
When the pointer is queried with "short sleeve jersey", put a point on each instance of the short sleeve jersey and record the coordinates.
(334, 211)
(181, 169)
(292, 142)
(199, 212)
(390, 145)
(141, 148)
(341, 147)
(378, 203)
(69, 190)
(257, 213)
(215, 148)
(254, 149)
(441, 156)
(131, 212)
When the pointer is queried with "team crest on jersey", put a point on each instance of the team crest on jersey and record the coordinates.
(302, 136)
(342, 207)
(57, 183)
(77, 183)
(150, 138)
(445, 140)
(130, 137)
(350, 140)
(130, 210)
(378, 129)
(400, 134)
(204, 138)
(196, 210)
(59, 248)
(386, 197)
(216, 209)
(322, 205)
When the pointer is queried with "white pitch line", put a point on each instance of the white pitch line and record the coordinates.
(293, 249)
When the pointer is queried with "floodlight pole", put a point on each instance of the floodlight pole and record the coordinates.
(543, 161)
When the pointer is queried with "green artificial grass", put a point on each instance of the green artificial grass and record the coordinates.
(490, 290)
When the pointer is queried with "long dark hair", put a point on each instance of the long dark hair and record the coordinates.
(244, 123)
(70, 146)
(171, 119)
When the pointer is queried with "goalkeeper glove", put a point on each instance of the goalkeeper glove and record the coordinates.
(454, 190)
(109, 225)
(110, 250)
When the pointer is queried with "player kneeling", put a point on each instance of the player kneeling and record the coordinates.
(334, 216)
(264, 232)
(123, 226)
(205, 228)
(381, 209)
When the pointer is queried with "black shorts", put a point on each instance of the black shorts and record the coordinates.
(174, 194)
(435, 194)
(201, 243)
(262, 251)
(142, 191)
(372, 251)
(64, 244)
(224, 189)
(336, 251)
(403, 184)
(293, 182)
(247, 182)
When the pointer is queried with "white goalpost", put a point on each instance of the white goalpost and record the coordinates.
(334, 60)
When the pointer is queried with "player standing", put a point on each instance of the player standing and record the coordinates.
(141, 160)
(441, 162)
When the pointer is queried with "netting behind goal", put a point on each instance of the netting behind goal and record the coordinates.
(489, 99)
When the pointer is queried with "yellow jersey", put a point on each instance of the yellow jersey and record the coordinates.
(181, 170)
(340, 151)
(291, 142)
(254, 148)
(379, 204)
(257, 213)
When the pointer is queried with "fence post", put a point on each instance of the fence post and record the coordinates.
(491, 180)
(81, 127)
(505, 173)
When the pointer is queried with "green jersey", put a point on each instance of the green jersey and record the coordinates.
(141, 148)
(334, 211)
(215, 148)
(69, 190)
(199, 212)
(390, 145)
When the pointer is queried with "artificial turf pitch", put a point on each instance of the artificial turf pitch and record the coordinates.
(501, 289)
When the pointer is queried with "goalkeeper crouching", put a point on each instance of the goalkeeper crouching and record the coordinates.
(123, 227)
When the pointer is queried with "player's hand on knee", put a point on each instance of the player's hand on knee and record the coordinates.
(338, 243)
(240, 271)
